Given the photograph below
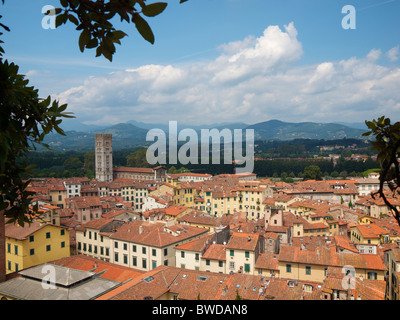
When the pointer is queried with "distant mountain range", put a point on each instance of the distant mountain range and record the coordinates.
(133, 134)
(279, 130)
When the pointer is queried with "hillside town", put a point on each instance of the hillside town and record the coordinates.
(146, 234)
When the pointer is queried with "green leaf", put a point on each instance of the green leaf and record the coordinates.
(74, 3)
(73, 19)
(144, 29)
(106, 53)
(116, 35)
(84, 38)
(154, 9)
(92, 43)
(61, 19)
(64, 3)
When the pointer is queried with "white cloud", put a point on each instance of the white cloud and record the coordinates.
(393, 53)
(252, 80)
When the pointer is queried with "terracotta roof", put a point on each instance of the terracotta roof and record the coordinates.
(267, 260)
(243, 241)
(198, 217)
(329, 257)
(345, 243)
(371, 231)
(365, 289)
(84, 202)
(215, 252)
(96, 224)
(197, 245)
(175, 210)
(15, 231)
(152, 284)
(155, 234)
(135, 170)
(105, 270)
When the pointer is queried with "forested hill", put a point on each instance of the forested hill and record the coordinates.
(128, 135)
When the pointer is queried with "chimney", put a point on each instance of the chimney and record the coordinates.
(140, 229)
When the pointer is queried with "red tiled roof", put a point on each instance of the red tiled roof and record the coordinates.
(215, 252)
(243, 241)
(155, 234)
(106, 270)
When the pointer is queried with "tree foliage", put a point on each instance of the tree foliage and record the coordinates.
(137, 159)
(387, 144)
(25, 118)
(312, 172)
(93, 20)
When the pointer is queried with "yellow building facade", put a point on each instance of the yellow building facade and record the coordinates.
(34, 244)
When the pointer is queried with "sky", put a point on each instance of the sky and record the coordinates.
(217, 61)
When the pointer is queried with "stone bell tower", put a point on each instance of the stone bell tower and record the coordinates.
(103, 160)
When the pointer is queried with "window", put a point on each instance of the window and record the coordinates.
(125, 259)
(231, 265)
(16, 250)
(134, 261)
(247, 254)
(63, 244)
(308, 270)
(372, 275)
(232, 253)
(154, 252)
(308, 288)
(207, 262)
(31, 238)
(134, 248)
(154, 264)
(182, 254)
(144, 263)
(62, 232)
(116, 245)
(47, 235)
(289, 268)
(246, 267)
(144, 250)
(116, 257)
(125, 246)
(31, 252)
(48, 247)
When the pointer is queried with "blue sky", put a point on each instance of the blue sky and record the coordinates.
(221, 61)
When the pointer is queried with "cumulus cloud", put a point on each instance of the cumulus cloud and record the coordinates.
(252, 80)
(393, 53)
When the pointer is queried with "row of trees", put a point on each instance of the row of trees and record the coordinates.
(82, 163)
